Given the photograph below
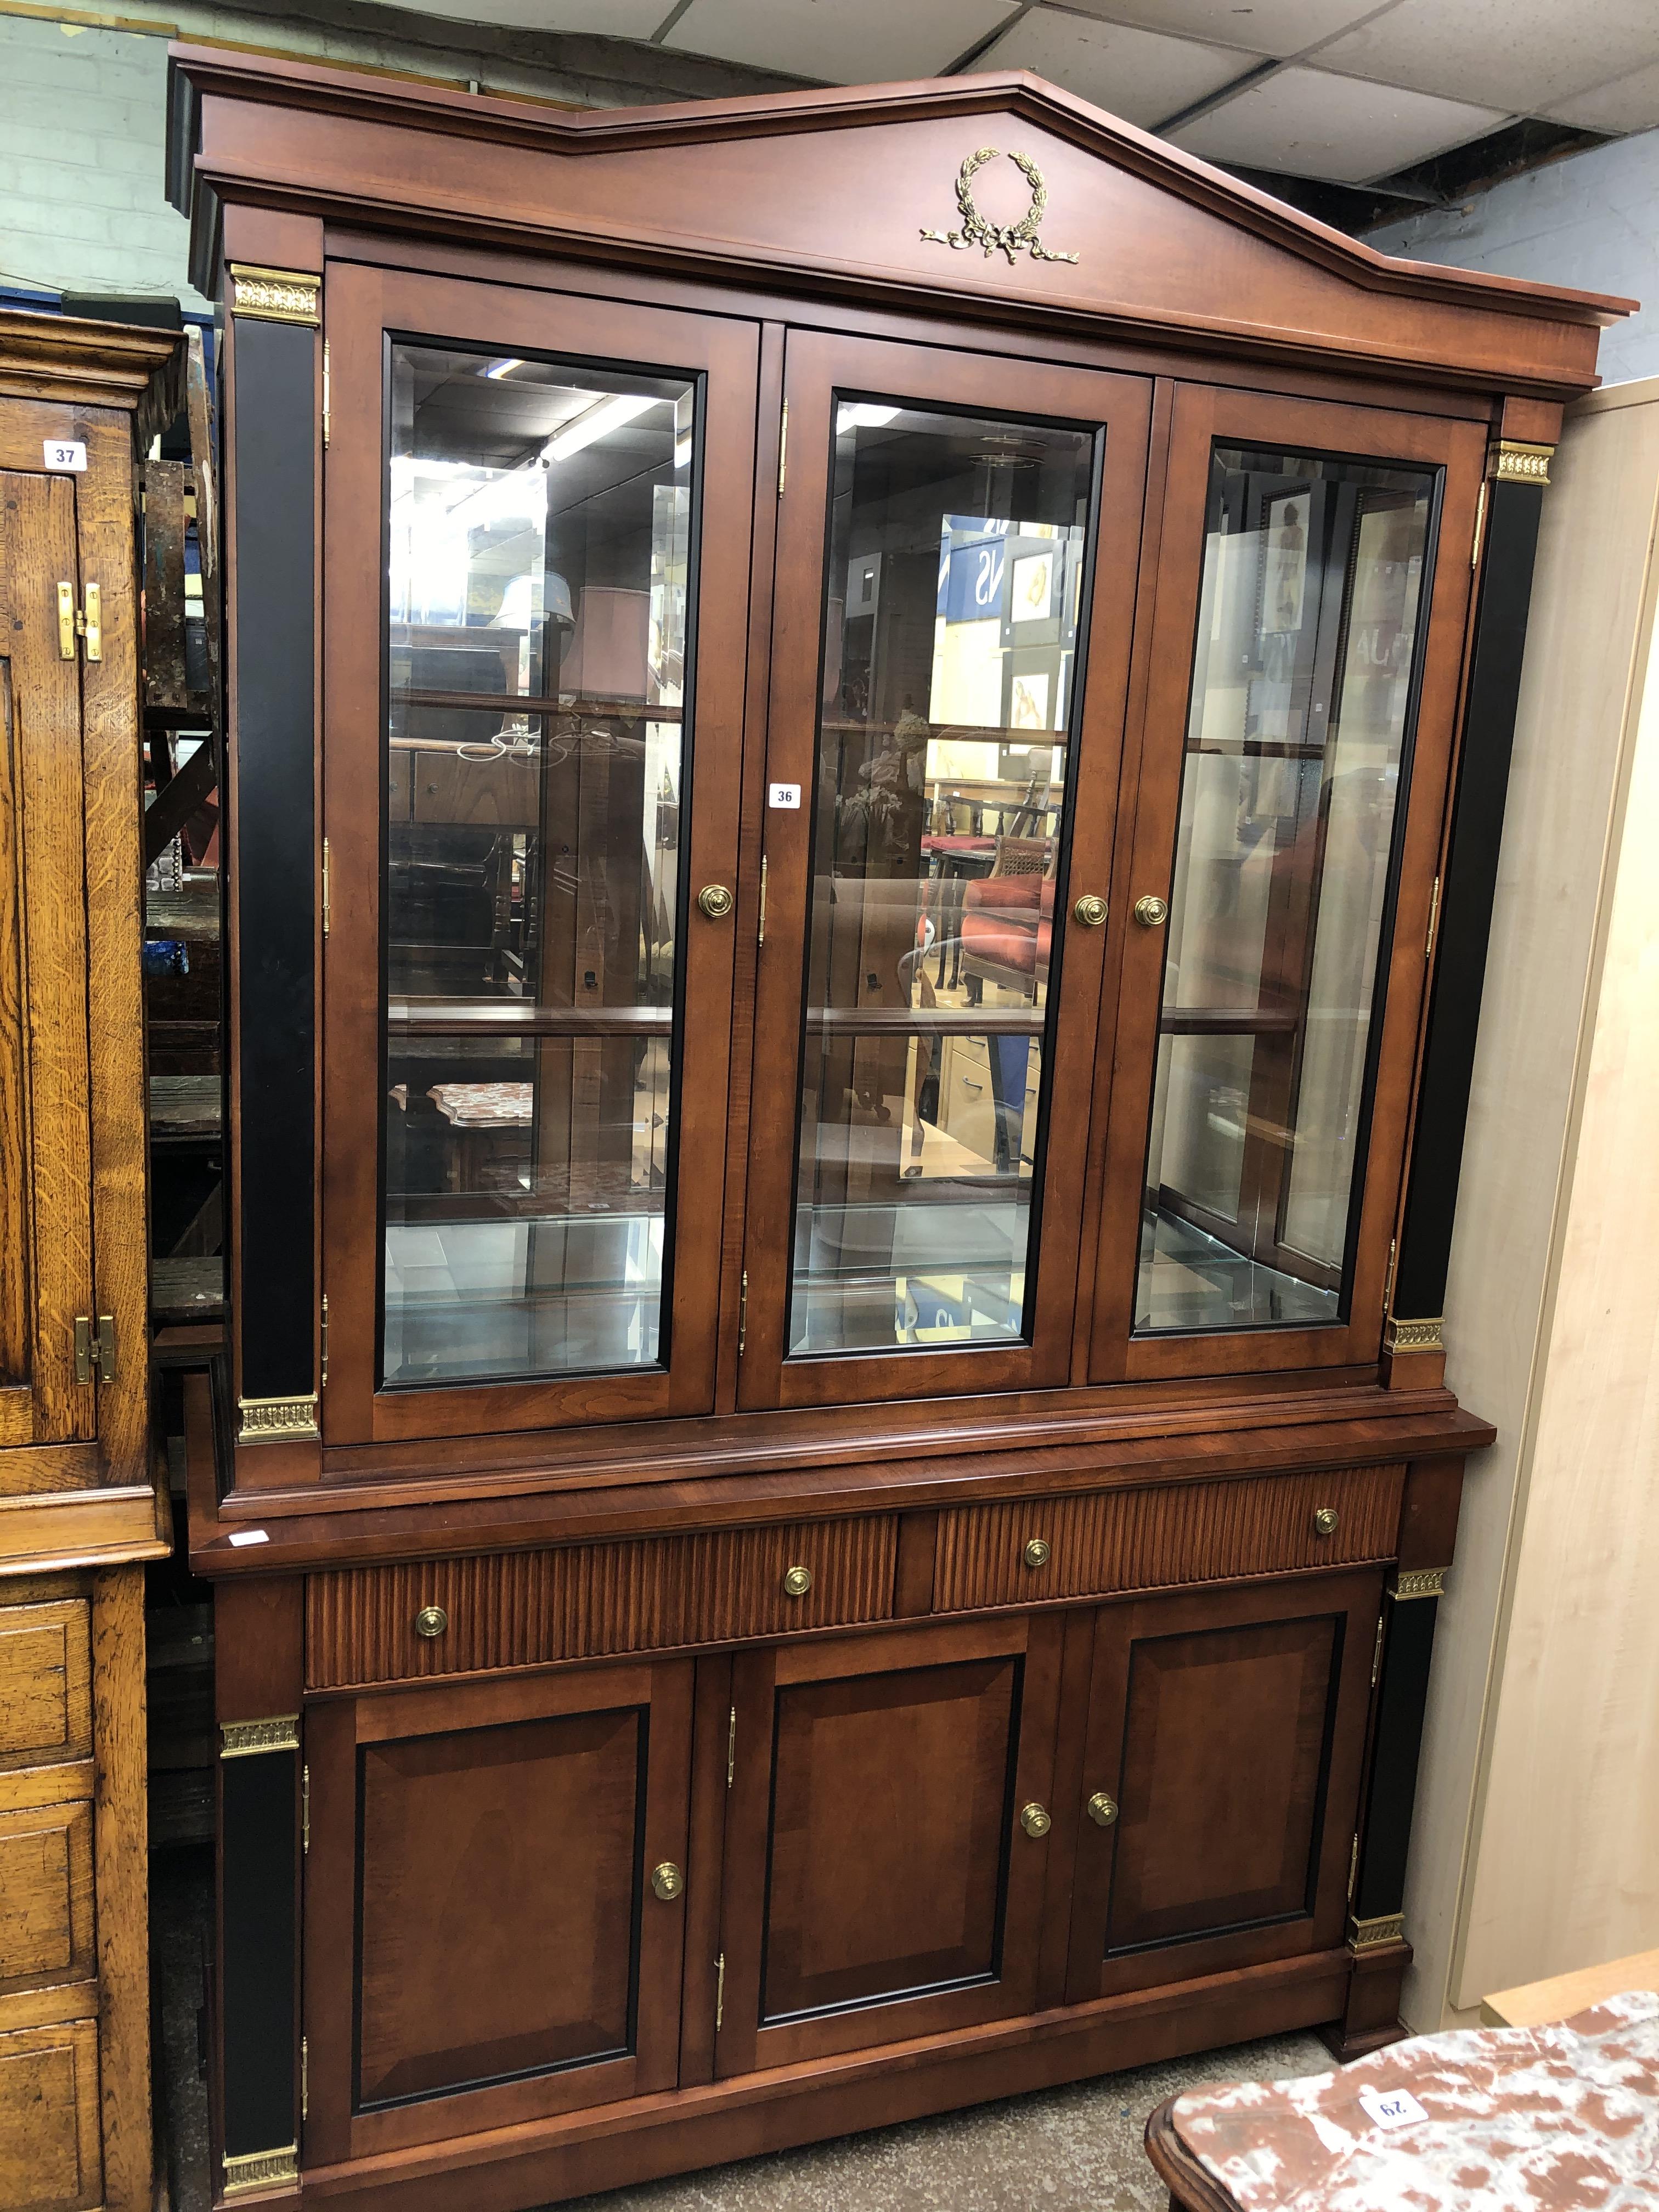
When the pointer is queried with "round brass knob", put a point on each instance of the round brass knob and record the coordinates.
(715, 901)
(1149, 912)
(431, 1621)
(1325, 1520)
(1102, 1809)
(798, 1580)
(1036, 1552)
(1090, 911)
(667, 1880)
(1034, 1818)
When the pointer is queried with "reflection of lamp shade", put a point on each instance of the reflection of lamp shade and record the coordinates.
(609, 657)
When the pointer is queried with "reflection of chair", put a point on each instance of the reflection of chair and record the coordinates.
(1007, 921)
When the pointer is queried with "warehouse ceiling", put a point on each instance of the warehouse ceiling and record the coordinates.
(1357, 112)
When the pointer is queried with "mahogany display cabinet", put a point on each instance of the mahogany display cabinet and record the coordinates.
(868, 735)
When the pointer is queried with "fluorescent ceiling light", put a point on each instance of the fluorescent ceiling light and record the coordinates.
(597, 421)
(682, 451)
(862, 415)
(500, 369)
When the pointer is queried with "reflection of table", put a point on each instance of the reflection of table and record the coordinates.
(484, 1122)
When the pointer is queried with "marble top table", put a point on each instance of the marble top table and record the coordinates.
(1563, 2118)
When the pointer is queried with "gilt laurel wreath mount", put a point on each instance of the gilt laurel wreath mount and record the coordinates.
(1009, 238)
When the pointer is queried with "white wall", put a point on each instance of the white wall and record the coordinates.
(1591, 220)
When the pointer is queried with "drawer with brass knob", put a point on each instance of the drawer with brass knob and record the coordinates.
(1095, 1544)
(420, 1618)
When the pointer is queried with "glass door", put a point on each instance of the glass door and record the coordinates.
(530, 790)
(956, 560)
(1303, 683)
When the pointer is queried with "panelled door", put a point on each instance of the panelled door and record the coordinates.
(1292, 779)
(959, 539)
(886, 1837)
(494, 1903)
(538, 515)
(1221, 1779)
(45, 1179)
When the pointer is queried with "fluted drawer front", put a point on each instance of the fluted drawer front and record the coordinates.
(1159, 1538)
(591, 1600)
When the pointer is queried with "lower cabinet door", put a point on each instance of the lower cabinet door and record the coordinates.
(886, 1845)
(494, 1903)
(1221, 1775)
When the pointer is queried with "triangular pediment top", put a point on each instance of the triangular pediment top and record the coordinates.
(1007, 95)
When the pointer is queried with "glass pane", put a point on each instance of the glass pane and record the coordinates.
(956, 555)
(1297, 734)
(535, 763)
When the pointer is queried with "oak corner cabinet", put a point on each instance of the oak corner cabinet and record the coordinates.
(79, 1510)
(867, 735)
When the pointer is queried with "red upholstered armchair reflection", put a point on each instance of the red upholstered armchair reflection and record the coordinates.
(1007, 919)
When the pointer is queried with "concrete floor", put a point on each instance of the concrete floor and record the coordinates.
(1076, 2150)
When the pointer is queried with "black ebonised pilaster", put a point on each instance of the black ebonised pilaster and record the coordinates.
(259, 1933)
(272, 750)
(1466, 892)
(1403, 1693)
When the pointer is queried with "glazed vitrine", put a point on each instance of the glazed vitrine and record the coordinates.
(868, 731)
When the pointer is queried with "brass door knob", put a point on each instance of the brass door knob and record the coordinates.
(1034, 1818)
(667, 1880)
(798, 1582)
(1090, 911)
(715, 901)
(431, 1621)
(1036, 1552)
(1151, 912)
(1102, 1809)
(1325, 1520)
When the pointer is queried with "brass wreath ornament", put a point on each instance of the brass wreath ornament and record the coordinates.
(1009, 238)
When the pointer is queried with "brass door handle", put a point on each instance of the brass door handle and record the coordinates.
(1325, 1519)
(1034, 1818)
(667, 1881)
(715, 901)
(1151, 912)
(1102, 1809)
(1090, 911)
(431, 1621)
(798, 1582)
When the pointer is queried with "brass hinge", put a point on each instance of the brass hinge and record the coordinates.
(760, 936)
(1434, 920)
(328, 890)
(1388, 1280)
(85, 623)
(322, 1373)
(743, 1313)
(1377, 1653)
(730, 1746)
(1480, 527)
(719, 1992)
(305, 1812)
(1353, 1868)
(325, 395)
(783, 448)
(94, 1347)
(305, 2078)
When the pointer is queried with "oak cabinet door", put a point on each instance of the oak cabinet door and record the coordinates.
(1221, 1779)
(957, 541)
(879, 1881)
(531, 737)
(45, 1219)
(485, 1940)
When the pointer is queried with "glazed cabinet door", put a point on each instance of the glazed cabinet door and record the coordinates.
(532, 721)
(493, 1903)
(46, 1215)
(886, 1844)
(958, 546)
(1305, 656)
(1221, 1779)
